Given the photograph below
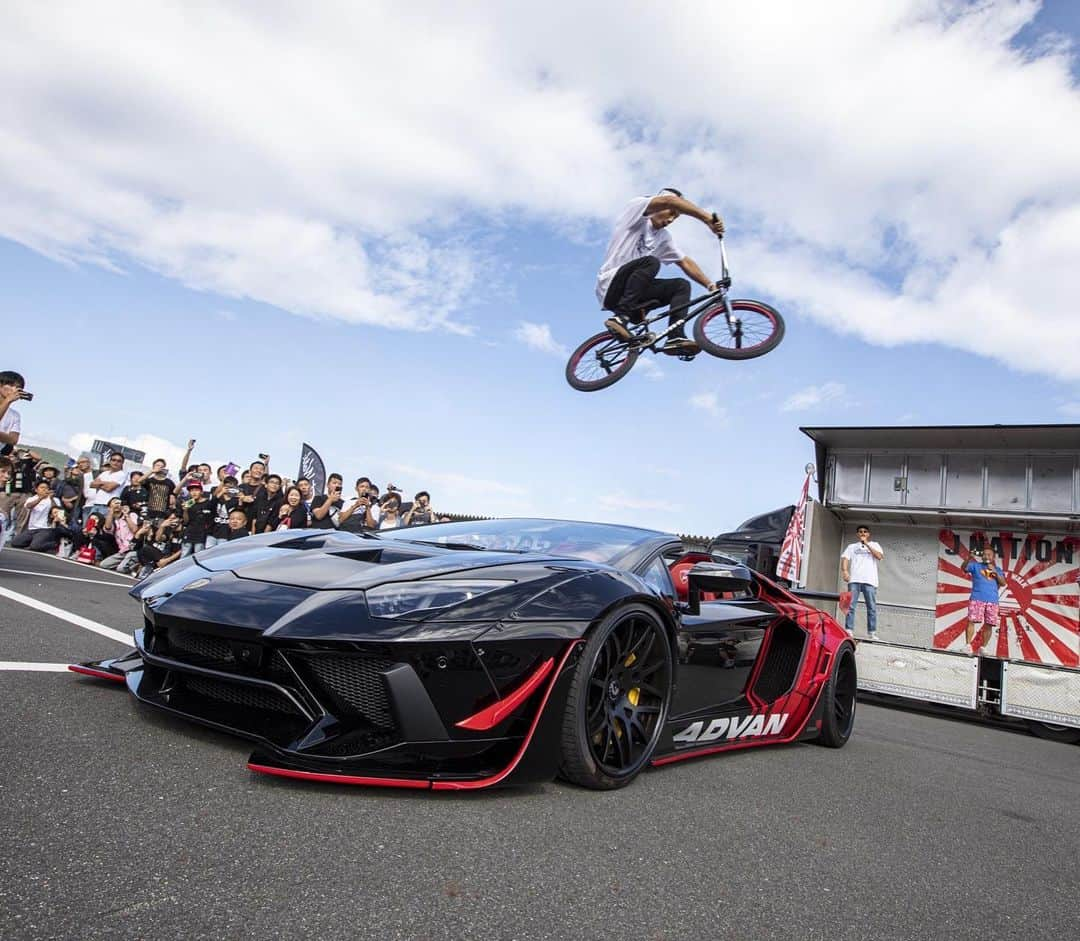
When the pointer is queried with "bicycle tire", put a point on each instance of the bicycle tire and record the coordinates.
(609, 376)
(766, 327)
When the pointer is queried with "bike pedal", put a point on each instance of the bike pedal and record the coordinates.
(687, 357)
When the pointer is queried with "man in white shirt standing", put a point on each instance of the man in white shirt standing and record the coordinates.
(858, 567)
(108, 484)
(627, 284)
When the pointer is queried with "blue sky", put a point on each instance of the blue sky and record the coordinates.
(175, 266)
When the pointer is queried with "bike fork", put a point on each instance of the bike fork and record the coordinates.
(734, 323)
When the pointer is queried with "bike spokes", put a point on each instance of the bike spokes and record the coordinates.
(599, 362)
(751, 329)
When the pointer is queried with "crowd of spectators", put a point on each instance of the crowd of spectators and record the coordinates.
(135, 521)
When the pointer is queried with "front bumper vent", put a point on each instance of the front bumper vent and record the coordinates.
(355, 685)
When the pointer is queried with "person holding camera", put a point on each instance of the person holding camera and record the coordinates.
(420, 512)
(226, 498)
(35, 531)
(12, 389)
(20, 487)
(115, 541)
(158, 546)
(390, 511)
(134, 495)
(353, 516)
(326, 508)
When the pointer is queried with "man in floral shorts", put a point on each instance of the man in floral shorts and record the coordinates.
(986, 578)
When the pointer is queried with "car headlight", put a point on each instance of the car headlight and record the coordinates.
(399, 599)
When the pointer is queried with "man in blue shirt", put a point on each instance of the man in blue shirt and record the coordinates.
(986, 580)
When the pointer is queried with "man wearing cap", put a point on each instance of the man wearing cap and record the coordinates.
(198, 519)
(640, 243)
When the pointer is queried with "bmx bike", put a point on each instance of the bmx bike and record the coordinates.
(723, 327)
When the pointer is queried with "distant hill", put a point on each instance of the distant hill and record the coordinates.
(48, 455)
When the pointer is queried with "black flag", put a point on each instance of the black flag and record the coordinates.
(312, 468)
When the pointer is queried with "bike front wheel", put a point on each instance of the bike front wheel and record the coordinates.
(599, 362)
(754, 329)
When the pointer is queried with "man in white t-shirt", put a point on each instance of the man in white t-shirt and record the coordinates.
(640, 243)
(858, 567)
(106, 485)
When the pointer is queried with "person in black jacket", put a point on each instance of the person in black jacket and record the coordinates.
(293, 514)
(198, 519)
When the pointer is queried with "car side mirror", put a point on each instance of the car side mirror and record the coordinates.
(716, 577)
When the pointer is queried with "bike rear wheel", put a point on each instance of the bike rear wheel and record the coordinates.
(599, 362)
(760, 329)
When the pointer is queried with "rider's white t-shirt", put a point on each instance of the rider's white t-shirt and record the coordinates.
(634, 237)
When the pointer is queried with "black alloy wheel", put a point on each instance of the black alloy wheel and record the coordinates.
(838, 717)
(618, 700)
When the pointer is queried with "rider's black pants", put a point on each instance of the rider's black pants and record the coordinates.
(636, 285)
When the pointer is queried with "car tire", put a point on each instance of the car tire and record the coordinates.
(838, 699)
(618, 700)
(1066, 734)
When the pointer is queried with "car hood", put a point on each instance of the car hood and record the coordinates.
(332, 561)
(311, 587)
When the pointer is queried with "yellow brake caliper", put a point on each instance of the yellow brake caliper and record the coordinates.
(634, 693)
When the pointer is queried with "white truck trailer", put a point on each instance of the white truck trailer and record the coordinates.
(931, 495)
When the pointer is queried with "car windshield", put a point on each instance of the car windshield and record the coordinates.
(596, 542)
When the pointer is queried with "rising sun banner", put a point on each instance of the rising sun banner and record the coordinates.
(1039, 607)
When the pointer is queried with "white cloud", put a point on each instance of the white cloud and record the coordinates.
(709, 402)
(538, 336)
(922, 185)
(812, 396)
(647, 367)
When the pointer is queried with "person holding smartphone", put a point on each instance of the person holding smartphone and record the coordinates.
(11, 390)
(326, 508)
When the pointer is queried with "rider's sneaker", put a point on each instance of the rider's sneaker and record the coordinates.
(618, 326)
(680, 346)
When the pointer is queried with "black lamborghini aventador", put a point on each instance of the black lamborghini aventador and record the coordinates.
(466, 655)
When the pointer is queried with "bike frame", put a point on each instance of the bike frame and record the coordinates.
(692, 309)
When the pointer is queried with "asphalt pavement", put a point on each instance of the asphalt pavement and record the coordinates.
(120, 823)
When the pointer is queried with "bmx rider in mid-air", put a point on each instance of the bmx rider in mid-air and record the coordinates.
(627, 284)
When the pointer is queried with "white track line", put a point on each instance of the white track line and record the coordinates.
(68, 578)
(33, 667)
(111, 633)
(60, 558)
